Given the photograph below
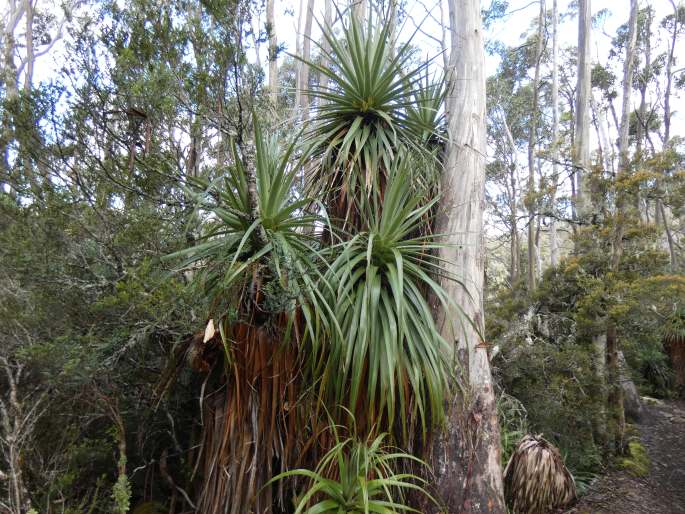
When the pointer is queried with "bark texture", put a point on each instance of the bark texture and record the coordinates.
(466, 456)
(581, 150)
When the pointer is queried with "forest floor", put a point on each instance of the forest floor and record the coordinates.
(662, 489)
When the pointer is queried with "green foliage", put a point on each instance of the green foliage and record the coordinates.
(358, 475)
(547, 359)
(278, 244)
(121, 494)
(374, 109)
(673, 329)
(513, 423)
(552, 380)
(388, 347)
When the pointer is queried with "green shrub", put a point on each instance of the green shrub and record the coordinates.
(357, 476)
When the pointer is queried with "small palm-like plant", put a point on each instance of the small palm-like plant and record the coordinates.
(363, 120)
(387, 360)
(239, 254)
(358, 476)
(262, 272)
(674, 338)
(426, 111)
(674, 328)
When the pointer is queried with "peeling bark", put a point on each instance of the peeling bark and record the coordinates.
(466, 457)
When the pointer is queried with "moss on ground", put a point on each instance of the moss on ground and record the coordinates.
(636, 462)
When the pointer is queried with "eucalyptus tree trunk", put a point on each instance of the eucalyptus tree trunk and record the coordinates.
(392, 15)
(669, 75)
(608, 153)
(303, 77)
(661, 213)
(273, 50)
(298, 52)
(615, 399)
(513, 205)
(661, 210)
(359, 9)
(581, 150)
(30, 54)
(8, 77)
(642, 125)
(532, 140)
(443, 37)
(466, 456)
(553, 237)
(325, 45)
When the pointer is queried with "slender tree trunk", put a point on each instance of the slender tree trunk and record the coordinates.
(581, 150)
(30, 56)
(303, 79)
(443, 37)
(9, 80)
(466, 457)
(623, 141)
(553, 237)
(325, 45)
(273, 51)
(359, 9)
(669, 76)
(608, 153)
(392, 20)
(615, 399)
(513, 203)
(669, 235)
(298, 51)
(532, 140)
(643, 123)
(667, 126)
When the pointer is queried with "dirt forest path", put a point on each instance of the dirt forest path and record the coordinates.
(662, 491)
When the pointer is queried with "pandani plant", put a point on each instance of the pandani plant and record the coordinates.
(673, 331)
(536, 480)
(357, 475)
(318, 295)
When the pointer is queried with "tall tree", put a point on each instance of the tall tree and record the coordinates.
(615, 398)
(532, 142)
(325, 45)
(676, 23)
(466, 457)
(553, 237)
(581, 147)
(273, 51)
(30, 54)
(303, 77)
(299, 40)
(8, 78)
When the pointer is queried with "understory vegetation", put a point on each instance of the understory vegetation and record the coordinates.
(226, 285)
